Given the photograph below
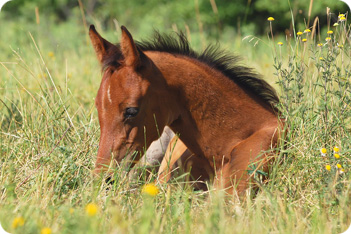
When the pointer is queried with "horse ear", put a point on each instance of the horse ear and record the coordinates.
(129, 50)
(101, 46)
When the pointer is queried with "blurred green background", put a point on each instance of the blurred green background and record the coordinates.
(215, 16)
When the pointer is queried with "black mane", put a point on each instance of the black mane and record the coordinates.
(213, 57)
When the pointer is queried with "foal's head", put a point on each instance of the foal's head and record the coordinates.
(128, 105)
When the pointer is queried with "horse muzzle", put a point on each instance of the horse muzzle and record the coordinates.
(125, 158)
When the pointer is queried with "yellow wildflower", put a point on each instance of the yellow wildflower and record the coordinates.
(307, 31)
(330, 32)
(91, 209)
(71, 210)
(304, 40)
(328, 39)
(336, 155)
(299, 33)
(342, 171)
(51, 54)
(340, 46)
(338, 165)
(323, 150)
(336, 149)
(280, 43)
(321, 58)
(341, 15)
(342, 19)
(270, 19)
(320, 45)
(327, 167)
(45, 230)
(336, 24)
(17, 222)
(150, 189)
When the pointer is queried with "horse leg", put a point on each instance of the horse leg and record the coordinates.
(199, 168)
(152, 158)
(175, 150)
(179, 157)
(255, 149)
(157, 149)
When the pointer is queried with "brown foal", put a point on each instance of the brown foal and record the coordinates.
(224, 113)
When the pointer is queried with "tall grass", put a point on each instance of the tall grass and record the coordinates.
(49, 139)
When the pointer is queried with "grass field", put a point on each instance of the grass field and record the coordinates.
(50, 132)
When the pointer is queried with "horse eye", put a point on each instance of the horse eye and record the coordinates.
(131, 112)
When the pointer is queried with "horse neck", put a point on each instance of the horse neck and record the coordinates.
(211, 109)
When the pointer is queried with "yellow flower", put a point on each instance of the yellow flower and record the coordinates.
(336, 24)
(280, 43)
(270, 19)
(307, 31)
(338, 165)
(320, 45)
(342, 19)
(71, 210)
(304, 40)
(51, 54)
(327, 167)
(17, 222)
(342, 171)
(299, 33)
(336, 155)
(321, 58)
(336, 149)
(45, 230)
(328, 39)
(340, 46)
(91, 209)
(150, 189)
(323, 151)
(341, 15)
(330, 32)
